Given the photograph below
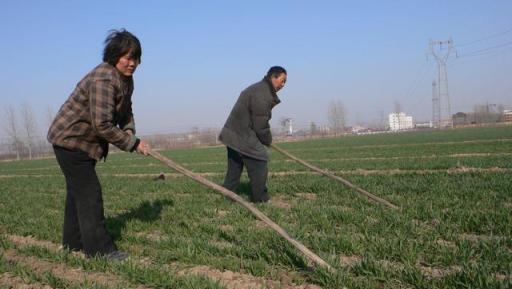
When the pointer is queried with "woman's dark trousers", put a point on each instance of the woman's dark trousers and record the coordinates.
(84, 221)
(256, 170)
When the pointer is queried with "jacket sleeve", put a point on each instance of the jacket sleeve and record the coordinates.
(102, 109)
(261, 112)
(128, 122)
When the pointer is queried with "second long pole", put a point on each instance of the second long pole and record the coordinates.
(337, 178)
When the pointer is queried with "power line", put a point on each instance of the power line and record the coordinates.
(472, 53)
(485, 38)
(417, 81)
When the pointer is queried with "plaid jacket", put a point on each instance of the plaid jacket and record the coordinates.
(98, 112)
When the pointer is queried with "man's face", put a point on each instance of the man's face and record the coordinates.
(127, 65)
(278, 81)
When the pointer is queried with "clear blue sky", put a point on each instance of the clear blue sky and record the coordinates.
(199, 55)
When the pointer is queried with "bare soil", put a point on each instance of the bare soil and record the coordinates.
(226, 228)
(307, 196)
(155, 236)
(412, 157)
(427, 271)
(445, 243)
(31, 241)
(478, 238)
(350, 261)
(413, 144)
(439, 272)
(457, 170)
(220, 244)
(503, 277)
(281, 202)
(234, 280)
(222, 213)
(363, 172)
(227, 278)
(8, 280)
(61, 271)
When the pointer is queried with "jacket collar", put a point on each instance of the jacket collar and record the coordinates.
(123, 78)
(275, 98)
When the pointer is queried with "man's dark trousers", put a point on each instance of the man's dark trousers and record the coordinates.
(84, 220)
(256, 170)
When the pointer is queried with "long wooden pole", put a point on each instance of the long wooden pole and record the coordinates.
(227, 193)
(332, 176)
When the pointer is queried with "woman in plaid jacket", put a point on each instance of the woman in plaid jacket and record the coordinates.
(97, 113)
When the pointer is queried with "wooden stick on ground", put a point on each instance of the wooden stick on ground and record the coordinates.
(227, 193)
(332, 176)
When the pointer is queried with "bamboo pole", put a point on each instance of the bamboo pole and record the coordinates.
(227, 193)
(334, 177)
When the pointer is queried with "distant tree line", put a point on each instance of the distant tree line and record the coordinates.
(481, 114)
(195, 137)
(24, 139)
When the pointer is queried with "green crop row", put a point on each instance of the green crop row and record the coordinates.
(452, 229)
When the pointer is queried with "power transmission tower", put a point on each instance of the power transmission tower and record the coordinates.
(441, 51)
(287, 126)
(436, 106)
(382, 122)
(290, 126)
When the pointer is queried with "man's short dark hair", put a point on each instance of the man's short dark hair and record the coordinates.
(118, 43)
(275, 71)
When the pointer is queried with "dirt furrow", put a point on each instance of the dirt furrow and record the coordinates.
(11, 281)
(235, 280)
(362, 172)
(457, 170)
(61, 271)
(31, 241)
(191, 164)
(405, 145)
(483, 238)
(411, 157)
(228, 278)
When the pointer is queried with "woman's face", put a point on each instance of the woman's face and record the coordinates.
(127, 65)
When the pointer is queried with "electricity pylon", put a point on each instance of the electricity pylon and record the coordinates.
(436, 106)
(441, 51)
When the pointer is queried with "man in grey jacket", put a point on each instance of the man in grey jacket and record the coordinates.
(247, 132)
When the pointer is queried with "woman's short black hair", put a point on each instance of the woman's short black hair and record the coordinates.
(118, 43)
(275, 71)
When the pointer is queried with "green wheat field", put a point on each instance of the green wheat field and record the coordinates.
(453, 229)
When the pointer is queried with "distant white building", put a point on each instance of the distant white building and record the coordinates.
(400, 121)
(507, 114)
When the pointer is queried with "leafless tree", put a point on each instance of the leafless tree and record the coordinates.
(485, 113)
(208, 136)
(12, 129)
(336, 116)
(50, 115)
(29, 126)
(313, 128)
(283, 123)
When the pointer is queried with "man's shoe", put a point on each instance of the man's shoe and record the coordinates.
(117, 256)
